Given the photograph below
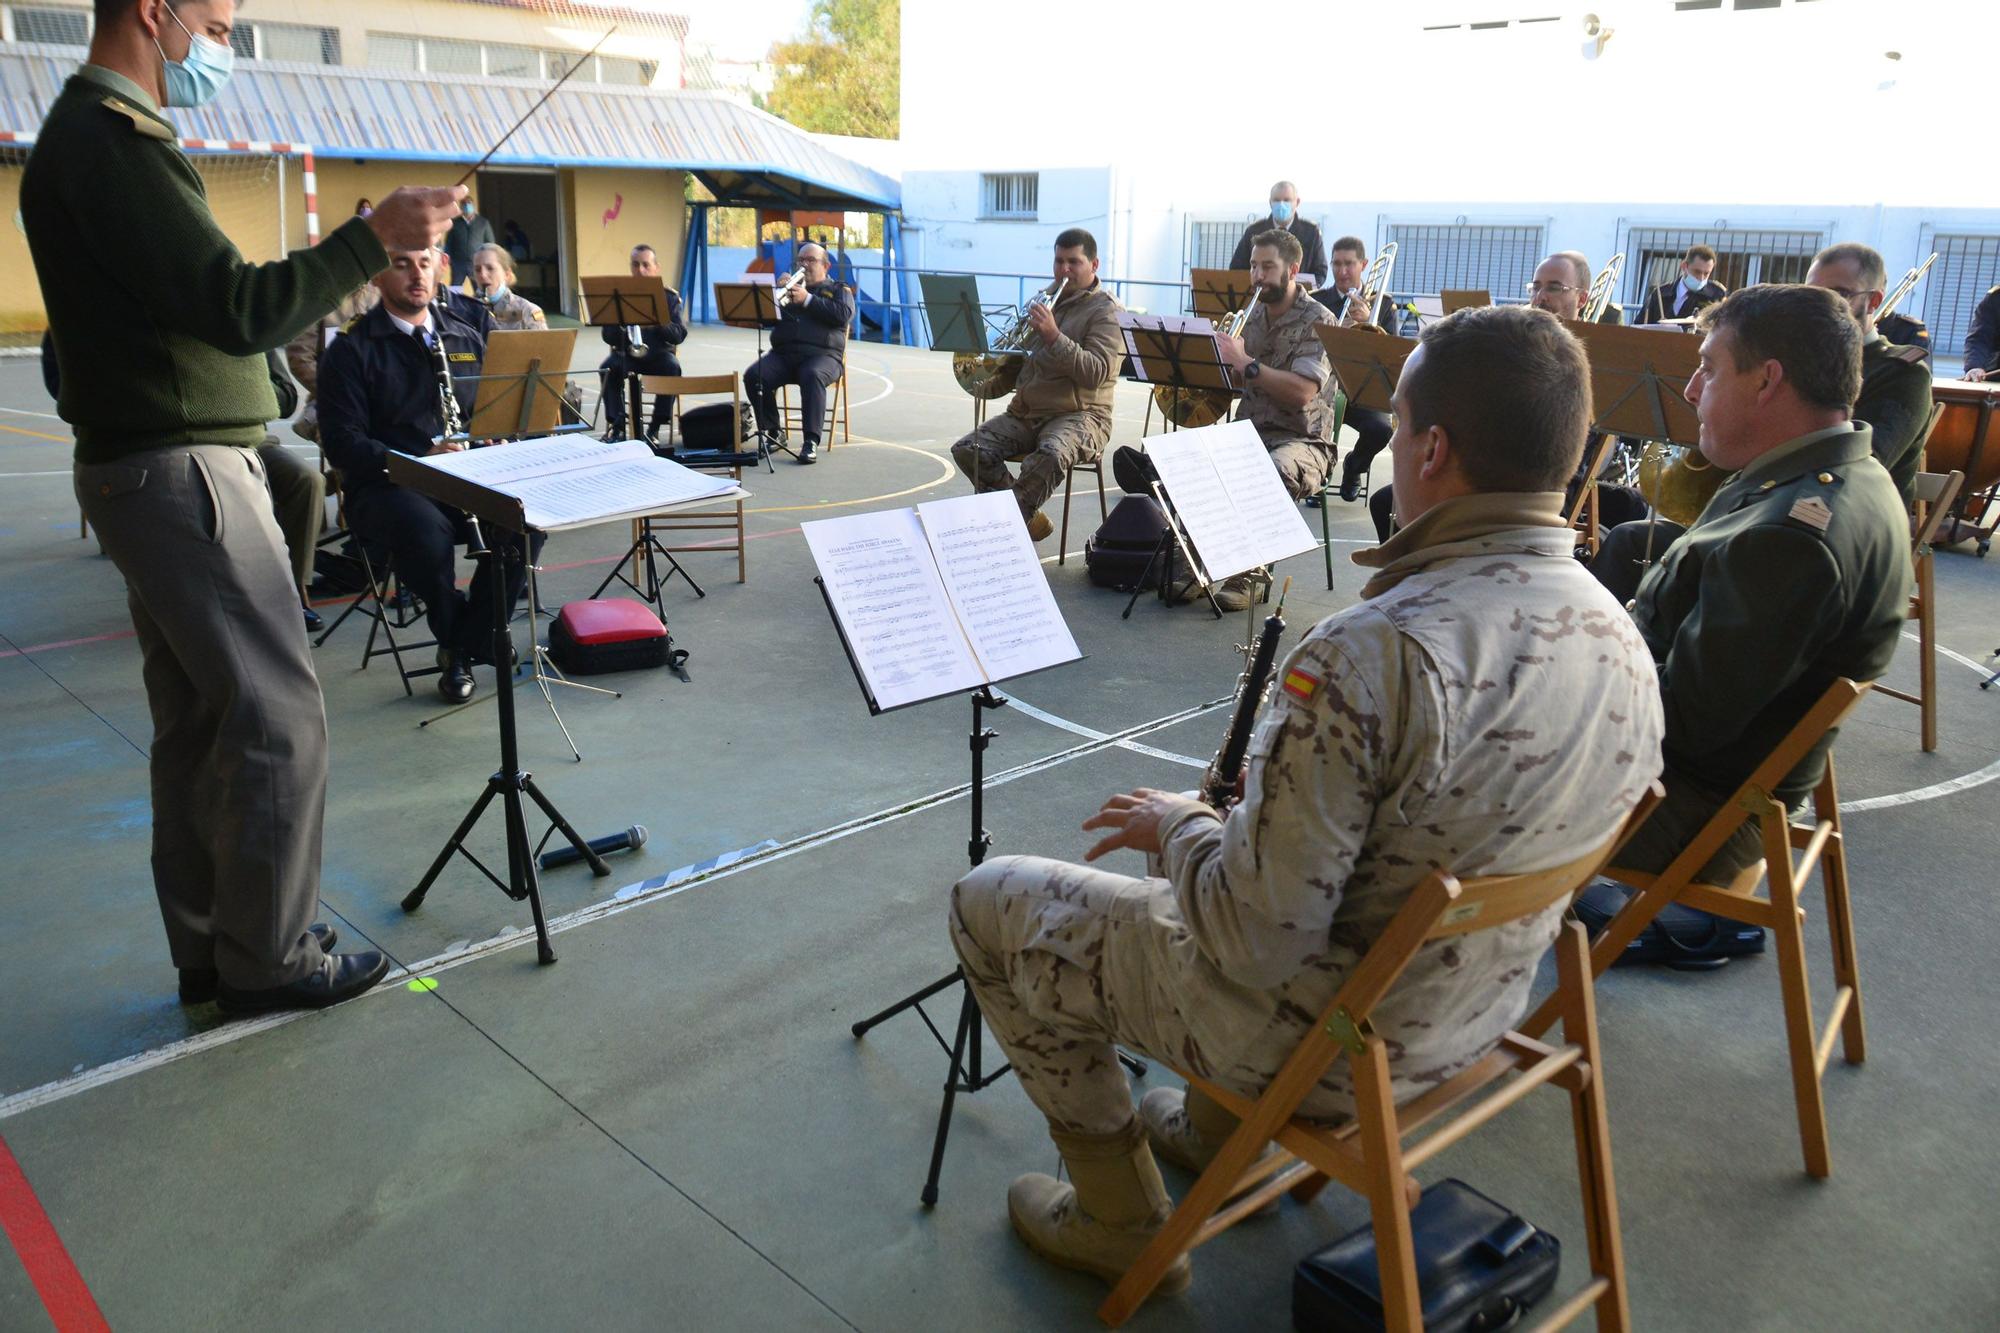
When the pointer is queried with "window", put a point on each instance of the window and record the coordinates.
(1500, 259)
(1743, 256)
(1967, 268)
(1697, 4)
(513, 62)
(1010, 194)
(1756, 4)
(59, 27)
(624, 69)
(445, 55)
(299, 43)
(390, 51)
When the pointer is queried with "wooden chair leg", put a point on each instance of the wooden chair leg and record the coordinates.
(1927, 651)
(1388, 1206)
(1796, 992)
(742, 548)
(1840, 922)
(1103, 510)
(1592, 1123)
(1632, 919)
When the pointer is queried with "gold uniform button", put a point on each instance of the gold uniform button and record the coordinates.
(1632, 605)
(1826, 479)
(1767, 485)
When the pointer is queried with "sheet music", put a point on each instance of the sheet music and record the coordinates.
(1130, 324)
(997, 584)
(883, 581)
(498, 464)
(1207, 514)
(642, 486)
(1270, 520)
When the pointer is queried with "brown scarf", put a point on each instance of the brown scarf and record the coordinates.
(1464, 518)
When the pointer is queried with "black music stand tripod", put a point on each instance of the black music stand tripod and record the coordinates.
(508, 783)
(967, 1072)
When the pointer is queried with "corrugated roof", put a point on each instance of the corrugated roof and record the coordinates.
(743, 155)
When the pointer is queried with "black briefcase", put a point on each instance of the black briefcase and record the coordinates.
(708, 427)
(1478, 1267)
(1120, 553)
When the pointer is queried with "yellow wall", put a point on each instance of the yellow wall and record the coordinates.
(651, 209)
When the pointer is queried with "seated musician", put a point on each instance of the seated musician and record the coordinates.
(1285, 217)
(493, 279)
(1693, 291)
(1894, 401)
(807, 349)
(1060, 414)
(655, 354)
(1374, 764)
(378, 391)
(1797, 572)
(1560, 286)
(1350, 263)
(1982, 344)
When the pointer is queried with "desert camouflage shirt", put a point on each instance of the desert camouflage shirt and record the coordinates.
(1289, 343)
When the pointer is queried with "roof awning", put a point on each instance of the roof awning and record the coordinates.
(743, 155)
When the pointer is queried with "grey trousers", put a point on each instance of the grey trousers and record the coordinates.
(298, 499)
(1046, 451)
(239, 729)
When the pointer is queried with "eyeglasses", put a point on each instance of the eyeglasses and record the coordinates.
(1550, 288)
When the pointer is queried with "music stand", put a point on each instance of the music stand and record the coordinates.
(748, 305)
(619, 299)
(1178, 353)
(957, 319)
(1455, 299)
(1637, 376)
(1366, 363)
(508, 516)
(1220, 291)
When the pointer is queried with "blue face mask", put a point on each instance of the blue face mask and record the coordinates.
(496, 295)
(195, 80)
(1692, 283)
(1281, 210)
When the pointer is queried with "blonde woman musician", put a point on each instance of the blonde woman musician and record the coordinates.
(493, 281)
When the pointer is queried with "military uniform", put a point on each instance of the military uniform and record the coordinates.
(808, 348)
(1796, 573)
(515, 312)
(1982, 343)
(1486, 708)
(1060, 414)
(1895, 403)
(657, 359)
(160, 328)
(379, 392)
(1300, 439)
(1670, 300)
(1906, 331)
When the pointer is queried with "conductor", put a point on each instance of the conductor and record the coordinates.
(160, 329)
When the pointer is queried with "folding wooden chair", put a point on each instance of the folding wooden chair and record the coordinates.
(1368, 1153)
(1934, 494)
(1582, 516)
(1822, 846)
(1095, 467)
(682, 387)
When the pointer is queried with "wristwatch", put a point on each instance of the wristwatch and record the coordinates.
(1252, 371)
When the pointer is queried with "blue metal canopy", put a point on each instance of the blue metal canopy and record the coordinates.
(743, 155)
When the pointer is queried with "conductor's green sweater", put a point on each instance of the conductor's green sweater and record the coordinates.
(160, 326)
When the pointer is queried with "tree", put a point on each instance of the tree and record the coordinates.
(843, 74)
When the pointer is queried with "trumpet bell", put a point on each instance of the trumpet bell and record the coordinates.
(1191, 408)
(985, 376)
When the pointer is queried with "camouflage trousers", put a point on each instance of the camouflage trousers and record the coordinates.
(1045, 449)
(1303, 465)
(1069, 962)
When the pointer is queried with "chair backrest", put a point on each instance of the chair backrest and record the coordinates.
(682, 385)
(1936, 491)
(1442, 906)
(1579, 514)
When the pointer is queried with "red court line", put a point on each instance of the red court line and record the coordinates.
(71, 1307)
(344, 597)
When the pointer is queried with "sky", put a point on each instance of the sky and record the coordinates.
(737, 29)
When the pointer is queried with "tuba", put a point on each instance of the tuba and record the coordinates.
(1204, 407)
(1600, 290)
(992, 374)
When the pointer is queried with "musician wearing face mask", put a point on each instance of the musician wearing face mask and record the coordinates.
(160, 330)
(379, 391)
(642, 350)
(1690, 293)
(1982, 345)
(1285, 217)
(1350, 265)
(807, 349)
(493, 282)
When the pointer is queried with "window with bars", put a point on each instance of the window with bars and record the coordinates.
(58, 27)
(513, 62)
(1500, 259)
(1744, 256)
(1967, 268)
(1211, 244)
(300, 43)
(1010, 194)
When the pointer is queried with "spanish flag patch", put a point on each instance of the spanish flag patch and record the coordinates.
(1302, 685)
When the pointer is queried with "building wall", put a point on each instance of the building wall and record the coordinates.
(613, 210)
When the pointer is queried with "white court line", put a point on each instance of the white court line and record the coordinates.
(624, 900)
(888, 387)
(1950, 786)
(59, 472)
(24, 412)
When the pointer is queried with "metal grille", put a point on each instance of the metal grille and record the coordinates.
(59, 27)
(1499, 259)
(1743, 256)
(1011, 194)
(1210, 244)
(1967, 268)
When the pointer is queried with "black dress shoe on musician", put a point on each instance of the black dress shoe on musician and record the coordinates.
(454, 676)
(341, 977)
(1132, 470)
(198, 983)
(313, 621)
(1350, 488)
(809, 452)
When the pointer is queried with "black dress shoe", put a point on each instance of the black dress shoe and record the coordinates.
(809, 452)
(454, 677)
(342, 977)
(313, 620)
(1350, 489)
(198, 983)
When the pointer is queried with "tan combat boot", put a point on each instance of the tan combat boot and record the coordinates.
(1188, 1129)
(1104, 1221)
(1039, 526)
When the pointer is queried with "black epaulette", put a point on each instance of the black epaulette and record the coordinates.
(1908, 354)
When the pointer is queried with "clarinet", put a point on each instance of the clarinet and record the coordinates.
(448, 417)
(1218, 785)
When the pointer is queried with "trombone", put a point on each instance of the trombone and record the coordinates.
(1600, 289)
(1903, 288)
(1374, 286)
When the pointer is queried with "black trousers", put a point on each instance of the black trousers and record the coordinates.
(422, 537)
(1375, 430)
(1622, 557)
(621, 364)
(812, 370)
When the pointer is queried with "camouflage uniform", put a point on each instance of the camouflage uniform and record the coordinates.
(1060, 414)
(516, 312)
(1487, 707)
(1301, 439)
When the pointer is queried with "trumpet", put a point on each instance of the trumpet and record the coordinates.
(1374, 286)
(992, 374)
(1204, 407)
(785, 288)
(1600, 289)
(1903, 288)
